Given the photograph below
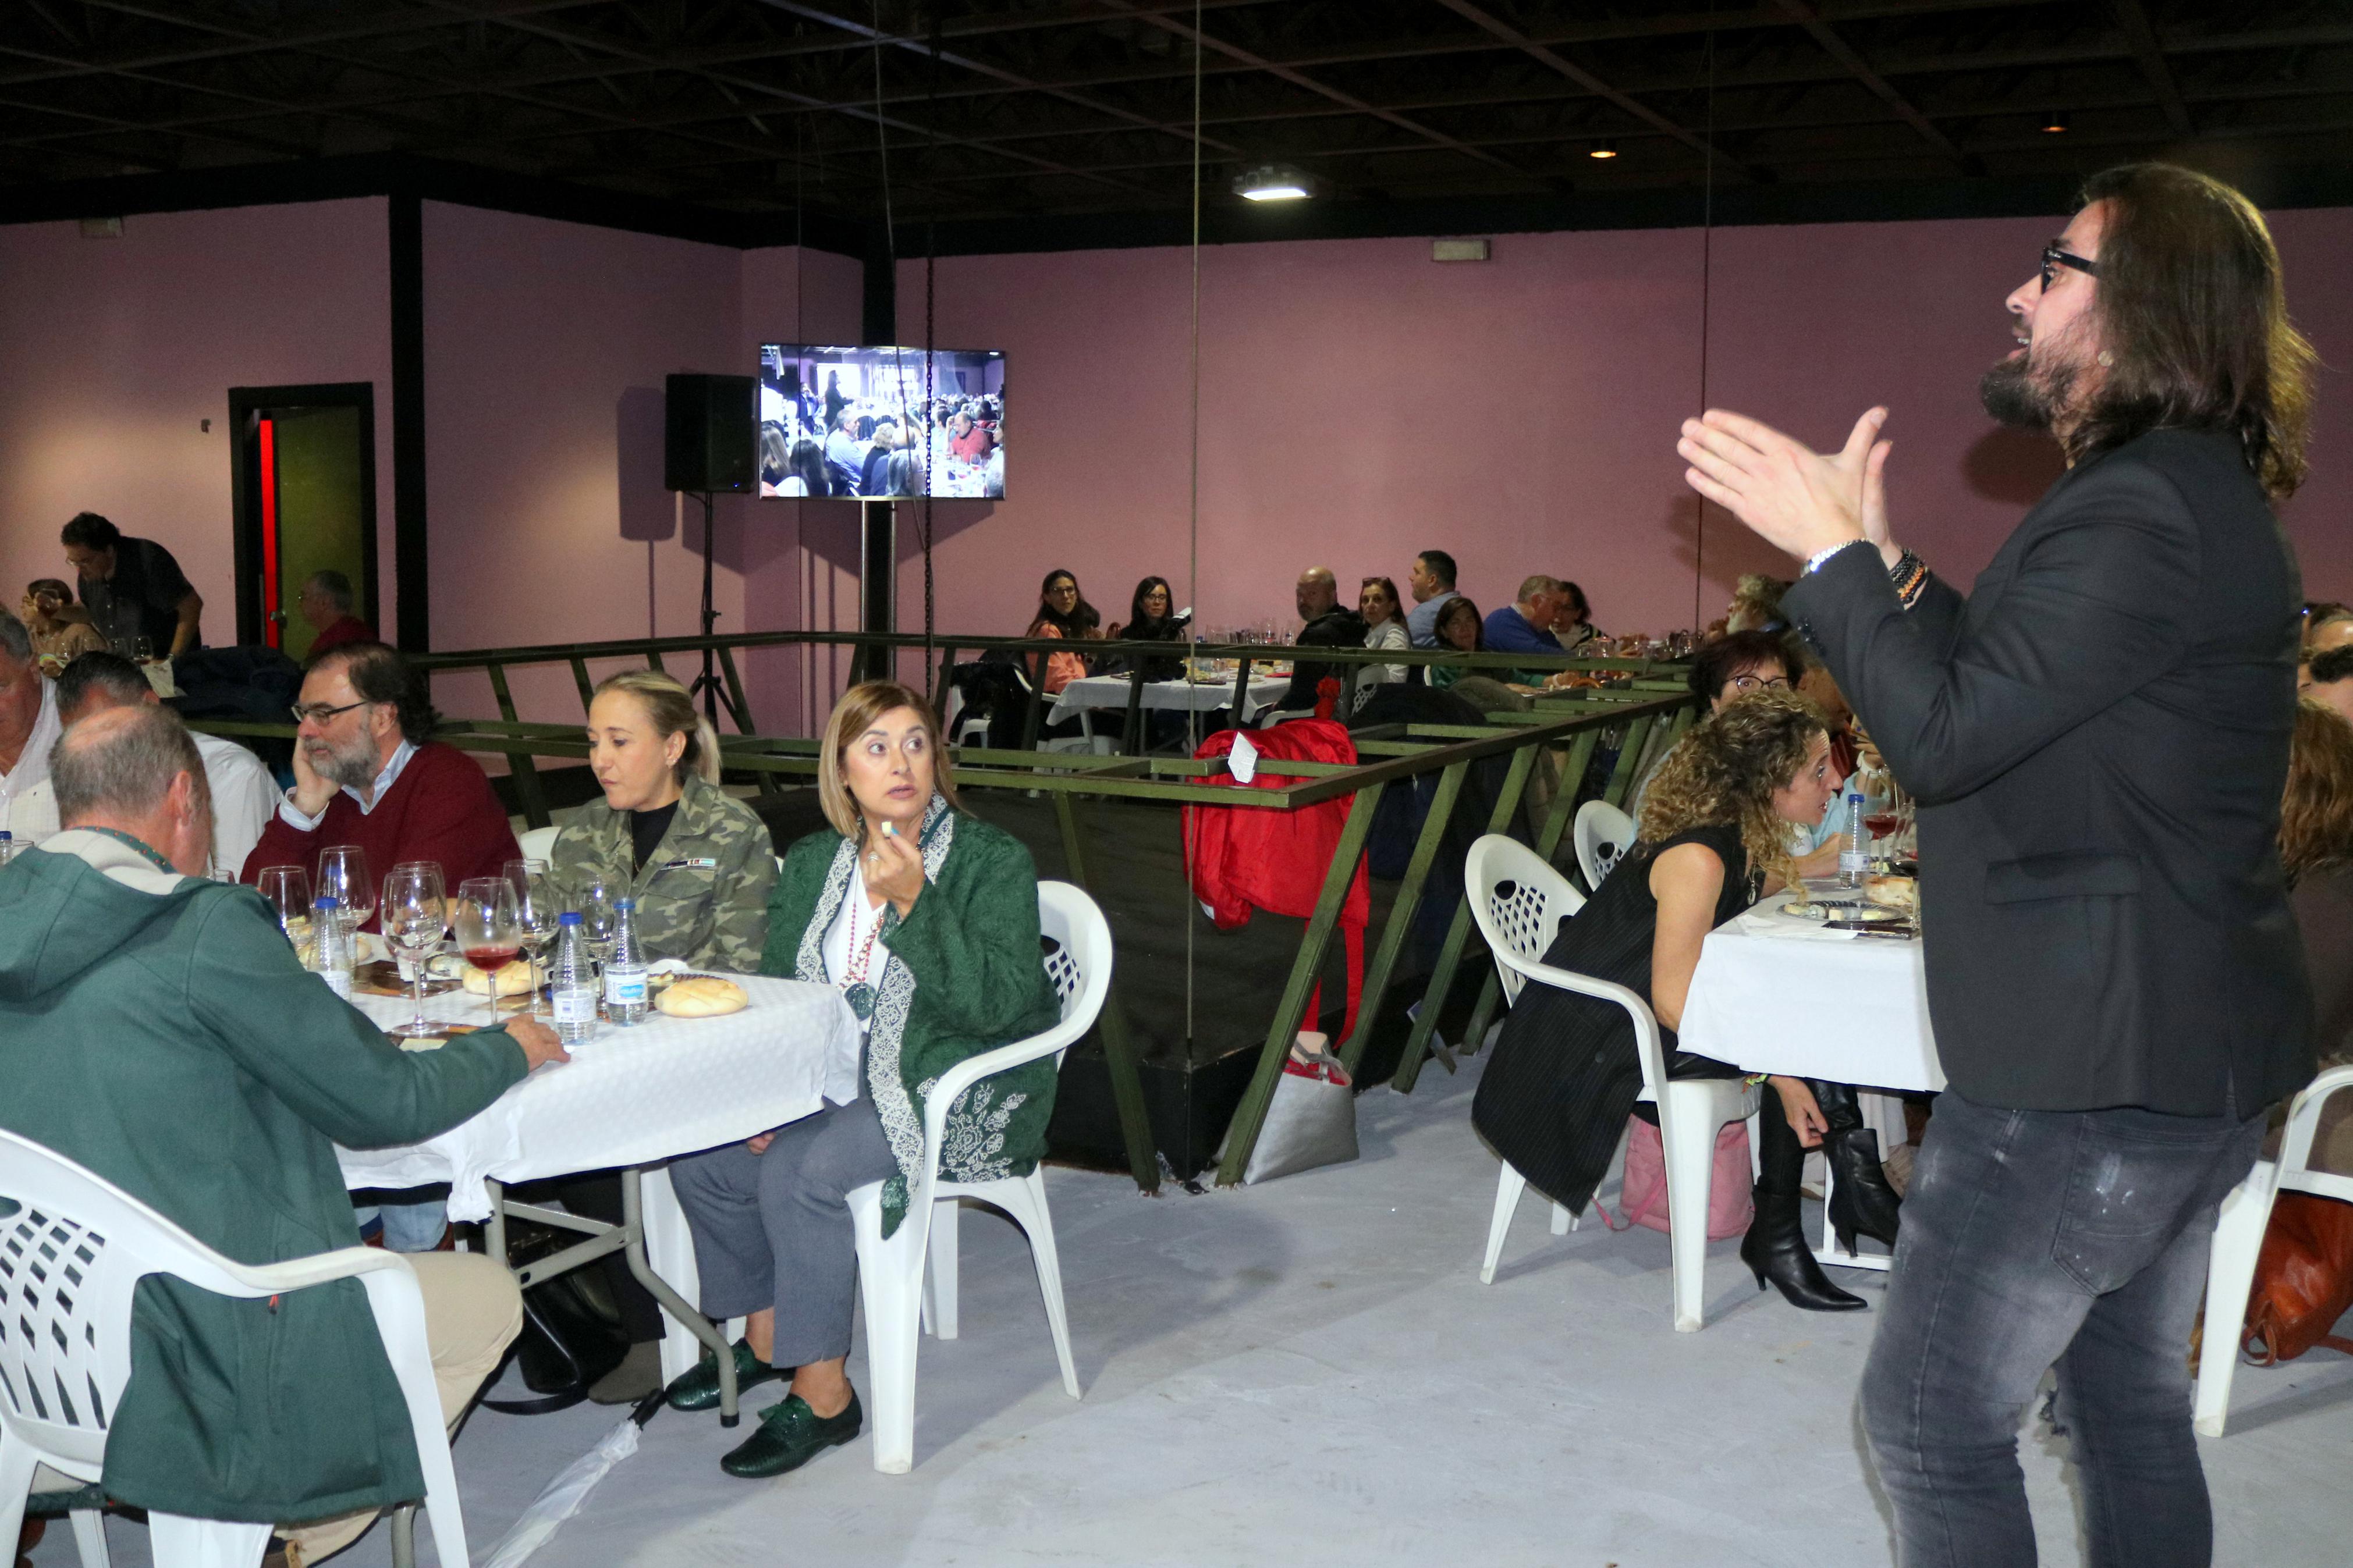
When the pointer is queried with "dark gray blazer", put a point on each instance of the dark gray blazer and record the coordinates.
(2097, 737)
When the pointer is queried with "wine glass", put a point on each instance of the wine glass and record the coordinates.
(593, 898)
(343, 876)
(538, 902)
(489, 930)
(415, 914)
(288, 888)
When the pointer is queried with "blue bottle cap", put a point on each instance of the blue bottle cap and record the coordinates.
(625, 903)
(568, 918)
(329, 902)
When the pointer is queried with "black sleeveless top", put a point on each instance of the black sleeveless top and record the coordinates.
(1564, 1073)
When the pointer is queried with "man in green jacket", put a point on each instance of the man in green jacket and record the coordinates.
(156, 1028)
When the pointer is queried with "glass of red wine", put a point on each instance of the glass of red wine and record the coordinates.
(489, 928)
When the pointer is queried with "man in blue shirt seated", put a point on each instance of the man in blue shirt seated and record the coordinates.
(1432, 582)
(1526, 626)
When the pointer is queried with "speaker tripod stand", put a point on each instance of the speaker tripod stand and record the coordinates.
(706, 685)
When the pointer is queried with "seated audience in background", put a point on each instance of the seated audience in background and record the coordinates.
(700, 867)
(1151, 617)
(2316, 854)
(845, 455)
(243, 794)
(1526, 627)
(367, 772)
(1431, 582)
(1384, 619)
(29, 718)
(1326, 622)
(1063, 612)
(1755, 604)
(1572, 623)
(133, 589)
(1459, 627)
(331, 608)
(2327, 625)
(927, 920)
(60, 628)
(158, 1029)
(2328, 679)
(1564, 1077)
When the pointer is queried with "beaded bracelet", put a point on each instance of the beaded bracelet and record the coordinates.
(1909, 575)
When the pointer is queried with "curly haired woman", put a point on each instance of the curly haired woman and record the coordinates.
(1715, 838)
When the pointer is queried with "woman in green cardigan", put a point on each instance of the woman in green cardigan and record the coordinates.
(926, 919)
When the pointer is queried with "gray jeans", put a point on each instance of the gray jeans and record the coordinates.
(2033, 1239)
(773, 1229)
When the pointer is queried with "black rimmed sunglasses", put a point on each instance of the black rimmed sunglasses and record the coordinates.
(2054, 258)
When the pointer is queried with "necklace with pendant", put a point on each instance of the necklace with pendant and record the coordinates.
(859, 995)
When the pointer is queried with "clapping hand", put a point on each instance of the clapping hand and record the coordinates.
(1793, 497)
(895, 868)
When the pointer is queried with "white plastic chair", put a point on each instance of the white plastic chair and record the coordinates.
(72, 1252)
(1519, 902)
(538, 843)
(891, 1274)
(2239, 1239)
(1602, 835)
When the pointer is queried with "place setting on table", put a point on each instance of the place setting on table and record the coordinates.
(665, 1061)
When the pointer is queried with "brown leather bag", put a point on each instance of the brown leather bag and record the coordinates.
(2304, 1280)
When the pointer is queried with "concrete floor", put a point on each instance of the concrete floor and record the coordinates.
(1310, 1372)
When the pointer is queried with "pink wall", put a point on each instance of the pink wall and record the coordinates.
(117, 349)
(1360, 402)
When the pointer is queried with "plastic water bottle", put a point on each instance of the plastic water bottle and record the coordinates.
(331, 946)
(571, 984)
(625, 972)
(7, 848)
(1854, 854)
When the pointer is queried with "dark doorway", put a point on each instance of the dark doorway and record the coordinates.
(305, 501)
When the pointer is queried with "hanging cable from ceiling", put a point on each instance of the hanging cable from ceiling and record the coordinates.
(1193, 514)
(1706, 257)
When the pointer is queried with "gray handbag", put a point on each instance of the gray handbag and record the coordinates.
(1310, 1121)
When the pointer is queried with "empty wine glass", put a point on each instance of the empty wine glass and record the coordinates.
(415, 914)
(288, 888)
(593, 898)
(489, 930)
(538, 902)
(344, 877)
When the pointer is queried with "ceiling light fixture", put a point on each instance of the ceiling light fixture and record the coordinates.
(2056, 122)
(1603, 150)
(1273, 182)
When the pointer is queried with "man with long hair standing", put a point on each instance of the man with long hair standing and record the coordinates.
(2098, 736)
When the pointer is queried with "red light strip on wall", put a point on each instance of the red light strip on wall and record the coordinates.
(271, 632)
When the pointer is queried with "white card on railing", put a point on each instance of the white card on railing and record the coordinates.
(1242, 760)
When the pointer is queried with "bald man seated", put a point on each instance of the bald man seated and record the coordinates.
(1329, 624)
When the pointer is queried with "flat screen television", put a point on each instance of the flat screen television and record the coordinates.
(879, 423)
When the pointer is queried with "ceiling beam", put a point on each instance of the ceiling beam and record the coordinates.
(2150, 56)
(1811, 19)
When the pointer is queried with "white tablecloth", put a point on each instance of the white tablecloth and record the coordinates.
(1848, 1012)
(629, 1096)
(1099, 691)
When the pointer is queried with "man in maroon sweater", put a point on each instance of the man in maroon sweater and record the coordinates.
(366, 772)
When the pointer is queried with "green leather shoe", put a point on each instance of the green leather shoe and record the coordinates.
(698, 1387)
(790, 1436)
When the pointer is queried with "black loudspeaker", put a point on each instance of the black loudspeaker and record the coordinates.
(710, 436)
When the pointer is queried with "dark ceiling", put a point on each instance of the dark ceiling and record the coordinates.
(961, 109)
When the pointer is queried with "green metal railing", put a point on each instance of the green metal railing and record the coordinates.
(1568, 725)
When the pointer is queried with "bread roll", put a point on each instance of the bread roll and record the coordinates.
(1894, 892)
(514, 980)
(703, 996)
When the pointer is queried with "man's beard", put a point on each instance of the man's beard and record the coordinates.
(353, 769)
(2025, 397)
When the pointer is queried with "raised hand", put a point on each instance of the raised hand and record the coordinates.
(1795, 499)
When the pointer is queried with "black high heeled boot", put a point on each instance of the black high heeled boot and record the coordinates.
(1861, 1202)
(1775, 1247)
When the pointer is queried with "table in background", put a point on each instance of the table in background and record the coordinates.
(1852, 1011)
(630, 1099)
(1094, 692)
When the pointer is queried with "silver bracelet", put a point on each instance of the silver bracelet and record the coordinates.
(1814, 561)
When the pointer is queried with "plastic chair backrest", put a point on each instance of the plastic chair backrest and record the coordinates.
(538, 843)
(1518, 900)
(2295, 1174)
(1602, 835)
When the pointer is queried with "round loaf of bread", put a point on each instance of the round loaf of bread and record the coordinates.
(1894, 892)
(703, 996)
(514, 980)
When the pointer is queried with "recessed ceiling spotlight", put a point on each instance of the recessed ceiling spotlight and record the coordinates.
(1273, 182)
(1604, 149)
(2056, 122)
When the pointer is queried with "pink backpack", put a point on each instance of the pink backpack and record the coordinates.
(1643, 1198)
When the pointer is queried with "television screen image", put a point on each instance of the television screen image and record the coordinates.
(877, 423)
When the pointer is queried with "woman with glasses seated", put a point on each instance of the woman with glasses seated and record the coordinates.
(926, 920)
(1734, 664)
(1565, 1075)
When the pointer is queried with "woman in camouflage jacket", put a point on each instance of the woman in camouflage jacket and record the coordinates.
(697, 862)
